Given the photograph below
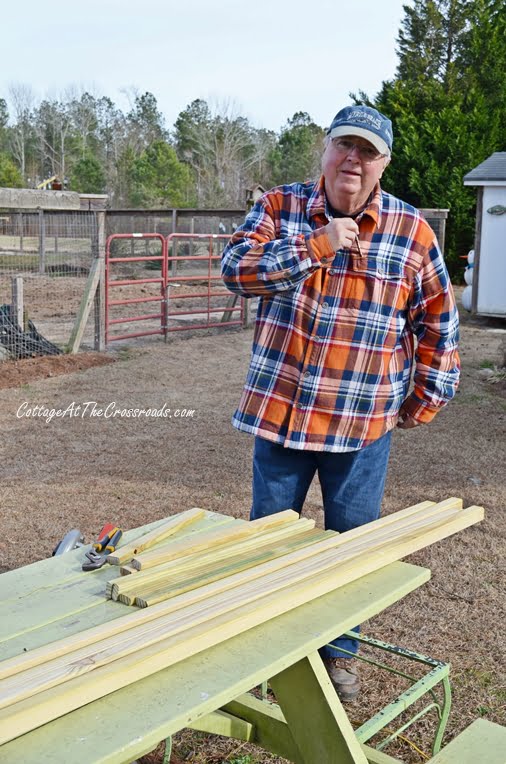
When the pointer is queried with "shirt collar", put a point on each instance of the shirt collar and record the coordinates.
(317, 202)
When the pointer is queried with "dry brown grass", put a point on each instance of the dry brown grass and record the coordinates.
(84, 472)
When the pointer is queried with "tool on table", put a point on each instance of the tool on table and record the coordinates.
(72, 540)
(106, 543)
(103, 537)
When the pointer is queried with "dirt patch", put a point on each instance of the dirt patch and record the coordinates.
(27, 370)
(84, 471)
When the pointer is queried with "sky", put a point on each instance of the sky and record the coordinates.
(267, 59)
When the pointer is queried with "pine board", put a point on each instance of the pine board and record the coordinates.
(214, 539)
(197, 596)
(145, 541)
(46, 705)
(184, 565)
(304, 536)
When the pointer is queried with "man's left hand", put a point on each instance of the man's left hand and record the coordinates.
(407, 422)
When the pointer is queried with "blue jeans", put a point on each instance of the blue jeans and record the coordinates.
(352, 487)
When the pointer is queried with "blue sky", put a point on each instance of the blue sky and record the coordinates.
(269, 58)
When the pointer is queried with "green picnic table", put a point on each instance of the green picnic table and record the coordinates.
(53, 598)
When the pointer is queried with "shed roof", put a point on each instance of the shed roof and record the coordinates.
(491, 170)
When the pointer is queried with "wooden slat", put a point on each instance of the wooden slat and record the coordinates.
(212, 540)
(174, 550)
(153, 593)
(147, 540)
(187, 565)
(90, 289)
(43, 706)
(340, 549)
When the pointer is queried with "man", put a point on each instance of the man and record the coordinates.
(349, 279)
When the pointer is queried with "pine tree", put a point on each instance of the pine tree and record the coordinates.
(448, 106)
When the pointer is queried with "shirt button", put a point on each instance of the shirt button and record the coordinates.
(325, 305)
(307, 375)
(332, 271)
(324, 260)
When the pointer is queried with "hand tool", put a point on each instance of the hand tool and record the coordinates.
(103, 537)
(97, 556)
(72, 540)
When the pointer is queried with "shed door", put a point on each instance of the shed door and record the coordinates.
(491, 296)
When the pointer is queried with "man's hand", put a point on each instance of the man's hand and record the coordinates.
(342, 232)
(407, 422)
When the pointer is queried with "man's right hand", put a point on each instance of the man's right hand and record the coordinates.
(342, 232)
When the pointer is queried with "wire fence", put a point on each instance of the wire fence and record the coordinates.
(45, 259)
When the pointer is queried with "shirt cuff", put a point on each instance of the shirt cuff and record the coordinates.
(319, 247)
(413, 406)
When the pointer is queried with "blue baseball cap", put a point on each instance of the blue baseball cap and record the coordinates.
(365, 122)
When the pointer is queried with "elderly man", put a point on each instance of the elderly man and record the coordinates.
(354, 296)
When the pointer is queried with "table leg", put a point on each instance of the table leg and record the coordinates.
(314, 714)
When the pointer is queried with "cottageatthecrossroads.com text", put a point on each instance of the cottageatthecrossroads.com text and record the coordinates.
(94, 410)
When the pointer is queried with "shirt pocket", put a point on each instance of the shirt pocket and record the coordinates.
(377, 285)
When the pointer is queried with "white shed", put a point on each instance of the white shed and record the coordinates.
(489, 278)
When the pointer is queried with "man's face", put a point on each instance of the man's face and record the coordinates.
(350, 178)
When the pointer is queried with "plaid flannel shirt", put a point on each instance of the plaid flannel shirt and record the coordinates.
(334, 343)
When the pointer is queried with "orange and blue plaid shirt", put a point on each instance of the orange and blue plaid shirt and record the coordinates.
(337, 334)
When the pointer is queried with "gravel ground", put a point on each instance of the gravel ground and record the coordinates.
(85, 470)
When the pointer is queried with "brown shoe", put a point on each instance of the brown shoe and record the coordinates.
(343, 674)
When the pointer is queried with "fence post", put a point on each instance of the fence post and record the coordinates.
(100, 293)
(42, 242)
(245, 313)
(21, 232)
(192, 231)
(17, 316)
(174, 244)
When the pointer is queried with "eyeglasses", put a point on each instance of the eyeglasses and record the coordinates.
(366, 153)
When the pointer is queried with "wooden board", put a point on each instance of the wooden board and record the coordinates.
(185, 565)
(147, 540)
(240, 529)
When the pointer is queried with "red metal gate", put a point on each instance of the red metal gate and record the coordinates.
(198, 269)
(189, 289)
(135, 287)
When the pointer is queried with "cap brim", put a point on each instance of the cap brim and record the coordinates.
(376, 141)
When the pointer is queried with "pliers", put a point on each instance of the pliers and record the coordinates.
(104, 545)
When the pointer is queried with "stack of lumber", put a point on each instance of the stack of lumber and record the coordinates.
(250, 584)
(180, 566)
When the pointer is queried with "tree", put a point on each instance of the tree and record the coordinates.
(87, 176)
(448, 104)
(145, 123)
(159, 178)
(10, 177)
(56, 137)
(83, 114)
(222, 149)
(298, 153)
(4, 119)
(22, 134)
